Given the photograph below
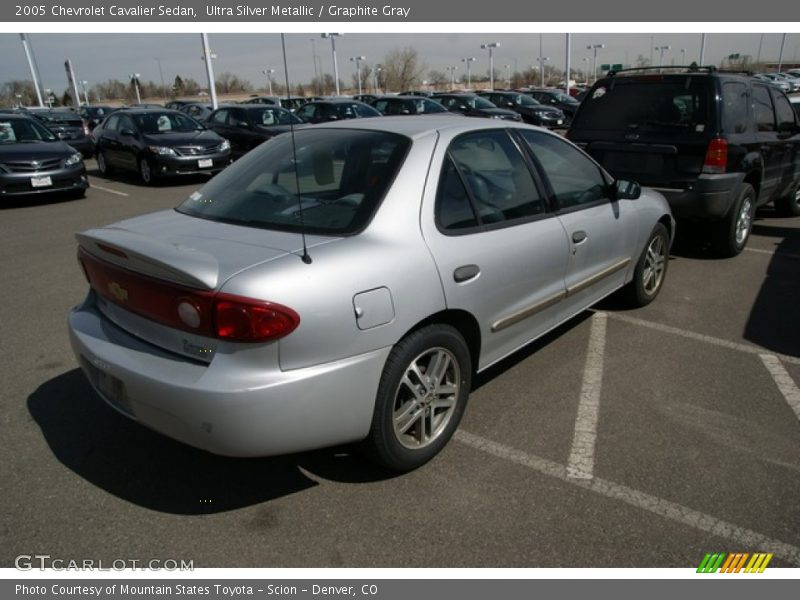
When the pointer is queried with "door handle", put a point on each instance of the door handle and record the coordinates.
(579, 237)
(465, 273)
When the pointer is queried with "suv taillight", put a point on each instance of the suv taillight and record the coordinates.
(716, 156)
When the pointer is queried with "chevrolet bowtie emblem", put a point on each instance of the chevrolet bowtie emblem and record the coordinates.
(119, 292)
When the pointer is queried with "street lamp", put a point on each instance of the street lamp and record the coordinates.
(594, 48)
(161, 75)
(661, 50)
(332, 37)
(314, 58)
(490, 48)
(542, 60)
(683, 56)
(268, 73)
(508, 75)
(468, 60)
(135, 81)
(207, 57)
(588, 61)
(84, 83)
(452, 76)
(375, 71)
(357, 60)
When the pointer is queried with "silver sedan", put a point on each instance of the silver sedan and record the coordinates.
(347, 282)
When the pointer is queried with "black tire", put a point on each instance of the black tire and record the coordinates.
(647, 278)
(394, 450)
(102, 164)
(729, 236)
(146, 172)
(789, 204)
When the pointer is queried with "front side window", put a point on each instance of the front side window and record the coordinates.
(220, 117)
(306, 113)
(784, 112)
(331, 183)
(575, 179)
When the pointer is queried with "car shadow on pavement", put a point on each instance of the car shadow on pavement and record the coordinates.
(148, 469)
(38, 200)
(774, 320)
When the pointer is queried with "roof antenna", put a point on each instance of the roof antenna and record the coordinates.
(305, 258)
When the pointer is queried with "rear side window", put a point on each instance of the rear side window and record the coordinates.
(453, 207)
(332, 187)
(784, 112)
(734, 107)
(651, 104)
(762, 106)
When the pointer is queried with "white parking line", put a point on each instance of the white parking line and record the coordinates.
(109, 190)
(581, 458)
(773, 252)
(701, 337)
(745, 538)
(784, 381)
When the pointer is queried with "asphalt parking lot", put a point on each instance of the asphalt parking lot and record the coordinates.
(624, 439)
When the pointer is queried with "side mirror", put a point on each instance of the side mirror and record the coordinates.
(510, 104)
(627, 190)
(129, 132)
(243, 124)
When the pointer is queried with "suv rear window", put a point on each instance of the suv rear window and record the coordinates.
(652, 103)
(333, 187)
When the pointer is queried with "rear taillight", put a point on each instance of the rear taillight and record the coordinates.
(210, 314)
(716, 159)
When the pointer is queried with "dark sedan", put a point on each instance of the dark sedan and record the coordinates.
(558, 99)
(407, 105)
(94, 114)
(197, 110)
(246, 126)
(291, 103)
(530, 110)
(34, 161)
(335, 109)
(472, 105)
(68, 126)
(156, 143)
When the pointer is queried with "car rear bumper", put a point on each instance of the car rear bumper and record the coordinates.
(231, 406)
(709, 197)
(189, 165)
(63, 180)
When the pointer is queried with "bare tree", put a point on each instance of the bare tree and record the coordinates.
(402, 69)
(438, 79)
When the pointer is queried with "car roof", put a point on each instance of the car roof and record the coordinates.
(423, 125)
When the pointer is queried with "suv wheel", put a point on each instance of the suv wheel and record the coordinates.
(732, 233)
(789, 205)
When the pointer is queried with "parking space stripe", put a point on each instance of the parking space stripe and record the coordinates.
(664, 508)
(581, 457)
(701, 337)
(784, 381)
(773, 252)
(109, 190)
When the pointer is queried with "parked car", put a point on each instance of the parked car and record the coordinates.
(795, 101)
(158, 142)
(422, 93)
(335, 109)
(93, 114)
(366, 98)
(197, 110)
(530, 110)
(246, 126)
(67, 125)
(776, 81)
(718, 145)
(472, 105)
(323, 290)
(291, 103)
(176, 104)
(407, 105)
(794, 82)
(34, 161)
(558, 99)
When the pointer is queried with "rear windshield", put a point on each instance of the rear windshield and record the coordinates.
(647, 104)
(65, 118)
(333, 187)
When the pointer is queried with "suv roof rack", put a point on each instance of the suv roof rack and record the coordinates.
(693, 68)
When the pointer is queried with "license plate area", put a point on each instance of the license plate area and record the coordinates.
(111, 388)
(205, 163)
(40, 182)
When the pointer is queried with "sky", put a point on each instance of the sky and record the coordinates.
(98, 57)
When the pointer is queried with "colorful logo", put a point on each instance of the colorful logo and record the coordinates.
(734, 563)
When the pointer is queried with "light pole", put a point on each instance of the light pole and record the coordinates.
(268, 73)
(541, 60)
(29, 55)
(683, 56)
(314, 58)
(84, 83)
(594, 48)
(469, 60)
(357, 60)
(161, 75)
(452, 76)
(490, 48)
(586, 60)
(780, 56)
(508, 75)
(50, 98)
(332, 37)
(661, 50)
(207, 57)
(135, 81)
(758, 56)
(375, 71)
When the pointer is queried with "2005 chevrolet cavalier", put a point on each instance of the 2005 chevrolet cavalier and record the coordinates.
(436, 247)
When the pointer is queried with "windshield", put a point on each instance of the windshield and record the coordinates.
(332, 187)
(478, 102)
(565, 99)
(273, 116)
(646, 105)
(155, 122)
(17, 131)
(525, 100)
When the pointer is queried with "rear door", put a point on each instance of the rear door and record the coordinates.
(789, 143)
(108, 140)
(128, 138)
(501, 253)
(602, 232)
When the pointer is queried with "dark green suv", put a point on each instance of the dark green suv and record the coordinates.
(718, 145)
